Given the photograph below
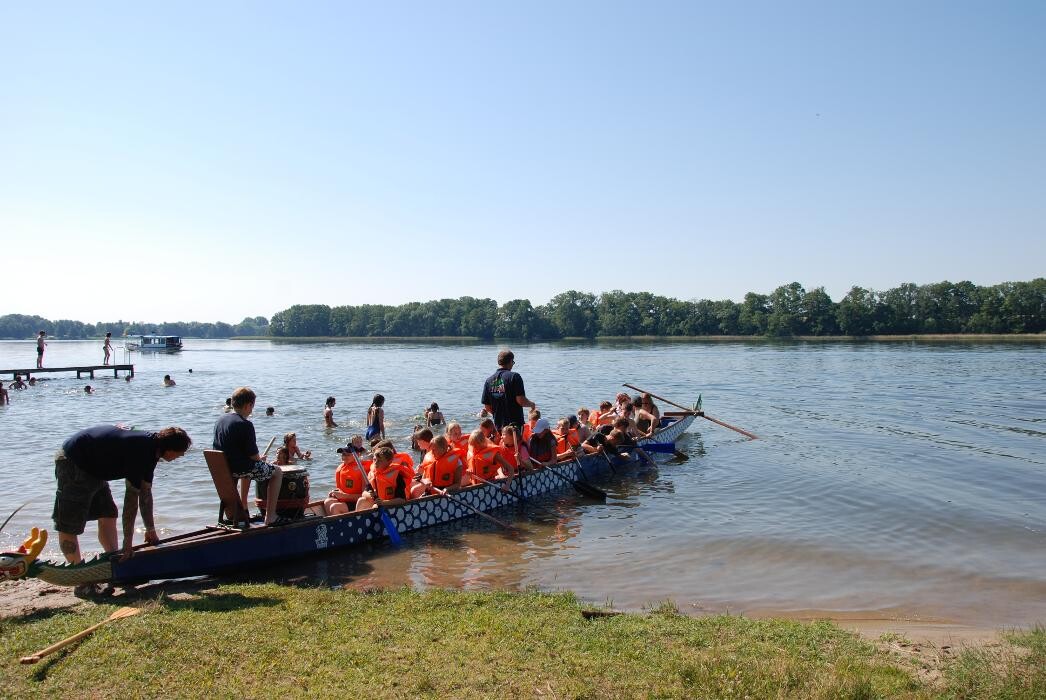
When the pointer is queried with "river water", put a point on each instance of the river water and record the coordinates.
(895, 479)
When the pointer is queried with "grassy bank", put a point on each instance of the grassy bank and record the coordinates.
(274, 641)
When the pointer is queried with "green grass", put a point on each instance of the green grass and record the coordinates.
(274, 641)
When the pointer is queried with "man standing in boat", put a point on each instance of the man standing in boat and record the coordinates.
(503, 394)
(234, 436)
(86, 464)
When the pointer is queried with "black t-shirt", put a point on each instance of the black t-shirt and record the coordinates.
(107, 452)
(500, 392)
(234, 435)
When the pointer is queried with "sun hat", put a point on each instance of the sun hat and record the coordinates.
(541, 426)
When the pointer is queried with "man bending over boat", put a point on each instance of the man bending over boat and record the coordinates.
(234, 436)
(86, 464)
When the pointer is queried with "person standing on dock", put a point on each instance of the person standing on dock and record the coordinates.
(86, 464)
(503, 393)
(40, 344)
(107, 348)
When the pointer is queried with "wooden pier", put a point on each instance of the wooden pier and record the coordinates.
(89, 369)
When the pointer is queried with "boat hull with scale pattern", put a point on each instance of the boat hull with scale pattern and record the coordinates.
(216, 550)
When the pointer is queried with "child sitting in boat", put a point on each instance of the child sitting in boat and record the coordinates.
(459, 442)
(533, 416)
(623, 444)
(490, 431)
(348, 479)
(543, 448)
(388, 482)
(580, 426)
(442, 467)
(485, 462)
(567, 440)
(518, 457)
(605, 414)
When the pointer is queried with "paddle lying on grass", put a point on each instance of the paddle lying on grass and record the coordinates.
(474, 509)
(386, 519)
(696, 413)
(122, 612)
(579, 486)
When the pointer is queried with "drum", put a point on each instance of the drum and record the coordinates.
(294, 493)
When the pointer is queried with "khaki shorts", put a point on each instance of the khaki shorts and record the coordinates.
(80, 497)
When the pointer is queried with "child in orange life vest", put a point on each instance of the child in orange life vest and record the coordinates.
(403, 460)
(458, 442)
(485, 461)
(567, 440)
(520, 459)
(348, 479)
(442, 467)
(528, 428)
(387, 482)
(490, 431)
(605, 415)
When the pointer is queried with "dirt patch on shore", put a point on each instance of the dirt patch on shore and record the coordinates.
(26, 596)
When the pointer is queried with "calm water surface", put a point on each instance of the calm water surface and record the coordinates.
(893, 478)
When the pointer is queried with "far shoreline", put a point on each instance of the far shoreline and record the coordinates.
(918, 337)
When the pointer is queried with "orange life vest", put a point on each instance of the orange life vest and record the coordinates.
(385, 481)
(527, 430)
(598, 419)
(348, 478)
(509, 453)
(441, 471)
(483, 463)
(568, 442)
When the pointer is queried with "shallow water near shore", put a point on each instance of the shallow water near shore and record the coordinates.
(902, 479)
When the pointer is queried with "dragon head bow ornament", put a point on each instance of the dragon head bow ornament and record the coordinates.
(15, 565)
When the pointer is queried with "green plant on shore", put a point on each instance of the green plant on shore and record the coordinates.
(273, 641)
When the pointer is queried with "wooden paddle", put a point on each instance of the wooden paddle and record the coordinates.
(122, 612)
(690, 411)
(386, 519)
(474, 509)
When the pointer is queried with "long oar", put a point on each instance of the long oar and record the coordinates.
(510, 492)
(13, 514)
(122, 612)
(386, 519)
(696, 413)
(579, 486)
(474, 509)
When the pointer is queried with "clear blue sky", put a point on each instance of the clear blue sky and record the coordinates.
(213, 160)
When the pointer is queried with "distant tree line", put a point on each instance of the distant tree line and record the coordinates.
(790, 310)
(21, 326)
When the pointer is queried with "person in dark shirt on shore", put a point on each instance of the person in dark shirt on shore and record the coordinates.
(86, 464)
(234, 435)
(503, 394)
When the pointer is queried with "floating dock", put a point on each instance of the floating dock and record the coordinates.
(87, 369)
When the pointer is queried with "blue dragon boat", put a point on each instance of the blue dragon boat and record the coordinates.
(216, 549)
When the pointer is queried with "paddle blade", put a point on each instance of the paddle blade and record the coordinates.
(662, 447)
(390, 528)
(589, 490)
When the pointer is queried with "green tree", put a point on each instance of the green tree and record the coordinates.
(787, 313)
(856, 312)
(820, 312)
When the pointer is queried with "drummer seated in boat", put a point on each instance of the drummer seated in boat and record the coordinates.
(442, 467)
(348, 478)
(234, 436)
(388, 483)
(513, 450)
(485, 462)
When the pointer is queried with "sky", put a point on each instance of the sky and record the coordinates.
(209, 161)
